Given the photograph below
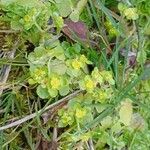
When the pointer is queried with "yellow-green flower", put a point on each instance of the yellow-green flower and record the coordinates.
(55, 83)
(131, 13)
(66, 119)
(108, 24)
(108, 77)
(76, 64)
(39, 74)
(80, 113)
(27, 18)
(89, 84)
(122, 7)
(96, 75)
(102, 96)
(113, 32)
(83, 59)
(33, 11)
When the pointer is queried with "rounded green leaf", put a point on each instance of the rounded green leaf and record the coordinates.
(64, 7)
(53, 92)
(42, 92)
(141, 57)
(58, 67)
(125, 112)
(74, 16)
(64, 90)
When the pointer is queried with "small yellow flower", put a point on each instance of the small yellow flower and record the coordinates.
(27, 18)
(76, 64)
(102, 95)
(66, 119)
(95, 73)
(39, 74)
(97, 76)
(89, 84)
(55, 83)
(33, 11)
(108, 24)
(108, 77)
(131, 13)
(83, 59)
(113, 32)
(80, 113)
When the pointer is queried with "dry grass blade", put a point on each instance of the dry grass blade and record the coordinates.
(5, 70)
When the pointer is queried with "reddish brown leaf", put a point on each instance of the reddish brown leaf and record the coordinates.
(78, 31)
(75, 30)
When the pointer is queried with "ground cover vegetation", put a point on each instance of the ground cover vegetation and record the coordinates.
(74, 74)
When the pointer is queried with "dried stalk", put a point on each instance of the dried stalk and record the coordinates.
(31, 116)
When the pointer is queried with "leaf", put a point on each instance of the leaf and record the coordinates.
(141, 57)
(53, 93)
(106, 122)
(100, 107)
(58, 21)
(42, 92)
(88, 118)
(64, 90)
(25, 3)
(75, 30)
(74, 16)
(16, 25)
(116, 128)
(59, 52)
(81, 4)
(125, 112)
(64, 7)
(146, 74)
(58, 67)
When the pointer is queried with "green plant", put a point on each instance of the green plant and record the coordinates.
(109, 102)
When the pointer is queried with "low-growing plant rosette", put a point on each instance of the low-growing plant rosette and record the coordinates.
(57, 74)
(131, 13)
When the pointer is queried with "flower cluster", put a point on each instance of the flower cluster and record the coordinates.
(130, 13)
(57, 74)
(75, 113)
(111, 29)
(100, 79)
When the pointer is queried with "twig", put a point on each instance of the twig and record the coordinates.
(87, 144)
(54, 134)
(90, 142)
(31, 116)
